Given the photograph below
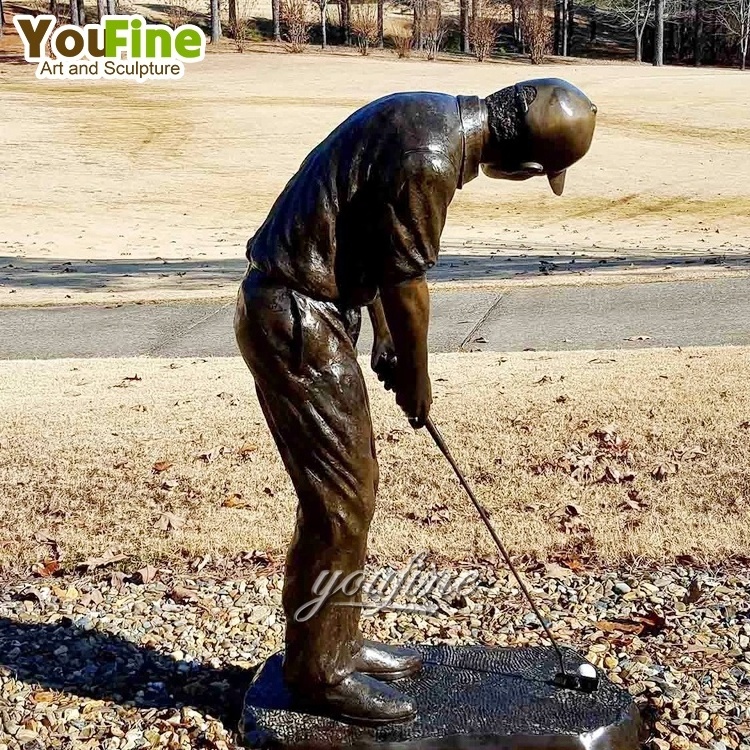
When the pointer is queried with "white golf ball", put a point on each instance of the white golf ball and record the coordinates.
(586, 670)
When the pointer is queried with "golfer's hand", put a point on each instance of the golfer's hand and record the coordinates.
(414, 396)
(383, 362)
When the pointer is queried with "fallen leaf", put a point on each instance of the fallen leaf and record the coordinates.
(169, 522)
(553, 570)
(642, 625)
(234, 501)
(161, 466)
(108, 558)
(134, 378)
(641, 337)
(745, 425)
(122, 465)
(247, 449)
(689, 454)
(544, 379)
(46, 568)
(180, 595)
(45, 697)
(148, 574)
(93, 597)
(169, 484)
(612, 475)
(694, 592)
(211, 455)
(117, 580)
(663, 470)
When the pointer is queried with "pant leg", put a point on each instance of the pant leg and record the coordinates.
(315, 402)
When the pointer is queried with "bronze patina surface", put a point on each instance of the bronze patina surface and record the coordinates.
(468, 697)
(360, 224)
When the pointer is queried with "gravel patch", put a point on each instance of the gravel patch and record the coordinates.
(106, 662)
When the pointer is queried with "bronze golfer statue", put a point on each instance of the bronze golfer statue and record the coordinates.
(360, 224)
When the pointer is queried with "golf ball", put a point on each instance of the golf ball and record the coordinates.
(586, 670)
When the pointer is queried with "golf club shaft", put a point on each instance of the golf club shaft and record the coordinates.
(438, 438)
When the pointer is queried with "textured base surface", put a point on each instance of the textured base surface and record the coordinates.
(468, 697)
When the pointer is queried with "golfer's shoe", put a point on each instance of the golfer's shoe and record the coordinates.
(359, 699)
(385, 662)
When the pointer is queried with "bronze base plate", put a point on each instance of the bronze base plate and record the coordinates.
(468, 697)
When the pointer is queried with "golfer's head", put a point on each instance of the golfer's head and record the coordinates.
(537, 127)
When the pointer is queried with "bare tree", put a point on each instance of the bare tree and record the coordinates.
(536, 28)
(381, 23)
(484, 30)
(238, 24)
(465, 25)
(322, 6)
(403, 44)
(215, 22)
(734, 16)
(276, 19)
(435, 28)
(364, 25)
(297, 23)
(636, 15)
(659, 33)
(111, 7)
(74, 12)
(101, 8)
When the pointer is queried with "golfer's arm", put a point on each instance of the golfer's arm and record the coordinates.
(406, 307)
(380, 328)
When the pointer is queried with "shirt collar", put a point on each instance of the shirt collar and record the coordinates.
(473, 114)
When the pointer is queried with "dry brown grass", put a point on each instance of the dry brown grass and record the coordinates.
(136, 174)
(77, 451)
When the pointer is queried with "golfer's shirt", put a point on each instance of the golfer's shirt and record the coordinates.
(368, 205)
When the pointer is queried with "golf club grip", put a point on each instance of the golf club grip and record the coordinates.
(441, 444)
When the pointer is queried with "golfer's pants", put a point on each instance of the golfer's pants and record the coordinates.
(302, 355)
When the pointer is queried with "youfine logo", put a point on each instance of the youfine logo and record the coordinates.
(119, 47)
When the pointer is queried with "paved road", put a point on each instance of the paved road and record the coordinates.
(685, 313)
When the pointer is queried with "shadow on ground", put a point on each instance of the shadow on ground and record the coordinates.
(106, 667)
(495, 262)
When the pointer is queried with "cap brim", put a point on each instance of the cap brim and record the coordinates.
(557, 182)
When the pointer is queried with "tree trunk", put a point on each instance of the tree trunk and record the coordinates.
(111, 7)
(698, 34)
(381, 23)
(659, 34)
(232, 9)
(592, 24)
(564, 27)
(570, 25)
(323, 34)
(276, 16)
(464, 17)
(638, 44)
(556, 41)
(215, 22)
(81, 13)
(101, 9)
(2, 18)
(346, 20)
(74, 12)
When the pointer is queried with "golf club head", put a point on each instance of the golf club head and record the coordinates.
(586, 680)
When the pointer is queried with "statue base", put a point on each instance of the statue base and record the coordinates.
(468, 697)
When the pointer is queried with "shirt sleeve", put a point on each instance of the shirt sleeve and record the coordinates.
(421, 191)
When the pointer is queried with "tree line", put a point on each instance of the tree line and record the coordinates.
(715, 32)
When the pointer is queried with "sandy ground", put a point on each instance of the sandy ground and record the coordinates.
(102, 183)
(610, 456)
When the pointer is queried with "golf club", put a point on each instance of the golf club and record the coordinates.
(586, 679)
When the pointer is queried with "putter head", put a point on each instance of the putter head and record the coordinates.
(585, 680)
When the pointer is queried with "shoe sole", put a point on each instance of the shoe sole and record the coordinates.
(393, 676)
